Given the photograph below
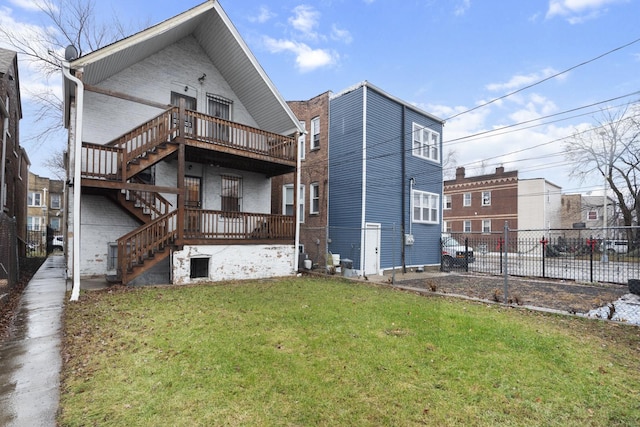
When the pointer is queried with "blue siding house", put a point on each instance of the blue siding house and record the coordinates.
(385, 181)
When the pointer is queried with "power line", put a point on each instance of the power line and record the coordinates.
(543, 80)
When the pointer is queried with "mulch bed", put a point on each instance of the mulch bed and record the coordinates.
(567, 296)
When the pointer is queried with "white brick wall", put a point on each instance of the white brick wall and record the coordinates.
(237, 262)
(102, 222)
(174, 68)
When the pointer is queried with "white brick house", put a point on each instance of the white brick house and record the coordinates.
(174, 135)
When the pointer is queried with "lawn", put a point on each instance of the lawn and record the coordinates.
(302, 352)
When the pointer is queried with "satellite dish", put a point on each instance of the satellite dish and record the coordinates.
(70, 53)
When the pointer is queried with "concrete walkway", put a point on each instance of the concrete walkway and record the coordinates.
(30, 360)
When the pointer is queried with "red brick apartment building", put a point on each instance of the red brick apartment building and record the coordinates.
(480, 204)
(313, 192)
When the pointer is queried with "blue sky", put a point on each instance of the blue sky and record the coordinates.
(446, 57)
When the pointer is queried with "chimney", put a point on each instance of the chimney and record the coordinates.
(459, 173)
(499, 170)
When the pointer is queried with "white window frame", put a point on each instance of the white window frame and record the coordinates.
(55, 200)
(486, 226)
(466, 226)
(35, 198)
(426, 143)
(34, 223)
(466, 199)
(315, 133)
(314, 198)
(486, 198)
(424, 204)
(592, 212)
(447, 202)
(288, 189)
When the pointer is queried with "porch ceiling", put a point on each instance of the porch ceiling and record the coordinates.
(232, 161)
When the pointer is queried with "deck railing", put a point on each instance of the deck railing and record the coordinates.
(210, 224)
(142, 243)
(109, 160)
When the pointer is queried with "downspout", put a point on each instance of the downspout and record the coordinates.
(363, 213)
(296, 194)
(77, 143)
(3, 191)
(404, 201)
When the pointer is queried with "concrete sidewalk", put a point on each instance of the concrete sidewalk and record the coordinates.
(30, 360)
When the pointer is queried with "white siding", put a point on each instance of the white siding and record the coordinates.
(539, 204)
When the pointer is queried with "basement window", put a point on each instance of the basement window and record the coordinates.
(199, 268)
(112, 256)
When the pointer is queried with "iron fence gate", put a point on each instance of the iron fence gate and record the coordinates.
(582, 255)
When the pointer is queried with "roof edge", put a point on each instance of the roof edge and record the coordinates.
(143, 35)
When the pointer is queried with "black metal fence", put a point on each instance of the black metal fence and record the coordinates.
(579, 255)
(9, 264)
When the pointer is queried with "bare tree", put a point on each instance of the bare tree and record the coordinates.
(449, 164)
(56, 163)
(611, 150)
(66, 22)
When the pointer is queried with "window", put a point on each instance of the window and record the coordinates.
(486, 198)
(447, 226)
(55, 201)
(287, 199)
(315, 133)
(467, 227)
(592, 215)
(112, 256)
(314, 198)
(33, 223)
(447, 201)
(486, 226)
(55, 223)
(219, 107)
(466, 199)
(35, 199)
(302, 141)
(231, 195)
(199, 268)
(426, 143)
(425, 207)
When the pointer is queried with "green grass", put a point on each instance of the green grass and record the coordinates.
(301, 352)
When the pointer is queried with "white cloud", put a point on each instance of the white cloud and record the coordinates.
(341, 35)
(307, 59)
(264, 15)
(33, 5)
(578, 11)
(305, 20)
(519, 81)
(462, 7)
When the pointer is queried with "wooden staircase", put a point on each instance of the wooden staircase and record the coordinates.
(146, 246)
(115, 165)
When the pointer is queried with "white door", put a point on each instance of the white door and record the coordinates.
(372, 248)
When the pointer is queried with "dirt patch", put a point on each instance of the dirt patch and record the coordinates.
(558, 295)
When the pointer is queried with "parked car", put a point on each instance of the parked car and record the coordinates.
(454, 254)
(616, 246)
(57, 244)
